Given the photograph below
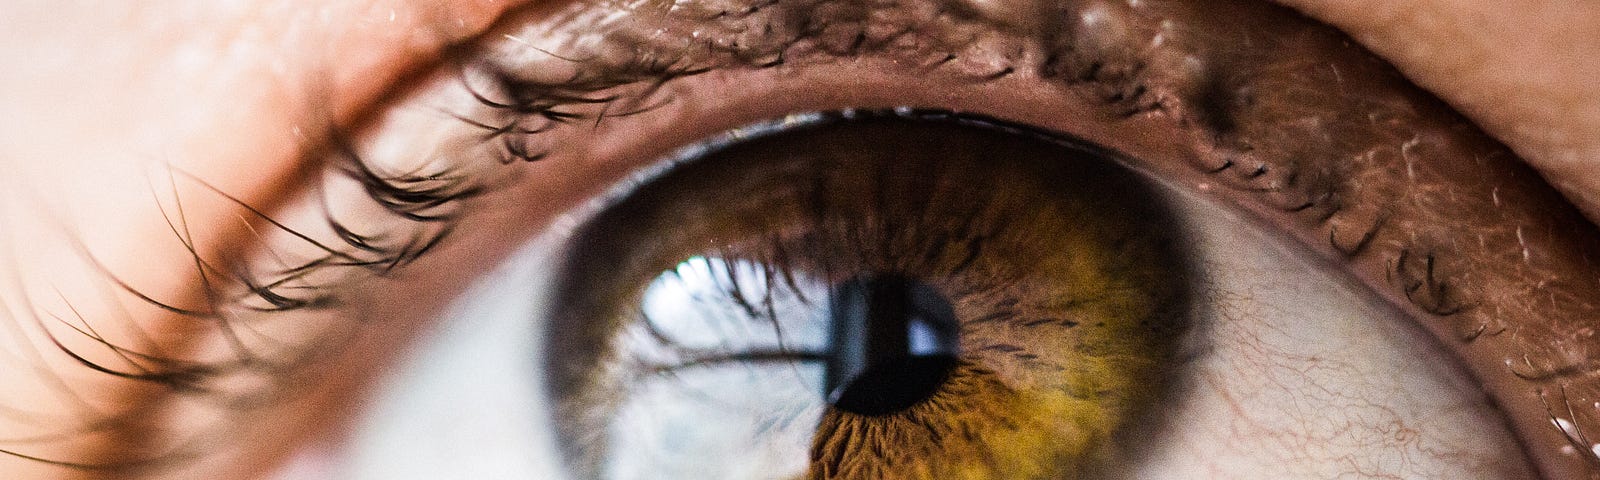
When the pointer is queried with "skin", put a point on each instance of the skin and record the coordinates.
(234, 95)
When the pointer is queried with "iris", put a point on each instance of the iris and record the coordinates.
(870, 295)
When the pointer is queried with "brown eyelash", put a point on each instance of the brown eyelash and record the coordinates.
(238, 292)
(1221, 102)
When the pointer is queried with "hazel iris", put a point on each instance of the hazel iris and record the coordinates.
(870, 295)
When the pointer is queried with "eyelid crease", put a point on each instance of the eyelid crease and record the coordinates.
(1536, 96)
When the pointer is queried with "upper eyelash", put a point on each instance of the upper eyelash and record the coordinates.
(1128, 82)
(430, 203)
(1120, 79)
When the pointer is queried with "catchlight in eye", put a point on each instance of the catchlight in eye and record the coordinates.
(878, 296)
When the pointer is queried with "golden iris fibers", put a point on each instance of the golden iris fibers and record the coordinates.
(1064, 272)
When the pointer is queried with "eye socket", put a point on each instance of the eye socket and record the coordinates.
(730, 295)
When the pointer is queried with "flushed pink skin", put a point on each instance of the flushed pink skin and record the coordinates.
(1524, 70)
(94, 94)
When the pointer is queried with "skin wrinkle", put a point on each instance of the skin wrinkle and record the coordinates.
(1498, 232)
(1545, 105)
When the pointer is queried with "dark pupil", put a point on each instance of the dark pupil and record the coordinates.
(892, 345)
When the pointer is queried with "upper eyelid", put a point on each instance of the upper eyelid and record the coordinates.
(1212, 101)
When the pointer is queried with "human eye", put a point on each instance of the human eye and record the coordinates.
(1307, 142)
(1274, 119)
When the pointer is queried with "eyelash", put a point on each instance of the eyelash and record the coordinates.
(1118, 79)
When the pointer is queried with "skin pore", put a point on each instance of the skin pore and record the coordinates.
(238, 96)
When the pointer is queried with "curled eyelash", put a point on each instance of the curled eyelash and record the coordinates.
(253, 369)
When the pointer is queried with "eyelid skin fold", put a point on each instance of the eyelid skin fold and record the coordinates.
(1538, 96)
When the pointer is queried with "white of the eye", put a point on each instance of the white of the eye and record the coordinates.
(468, 402)
(1306, 375)
(1302, 374)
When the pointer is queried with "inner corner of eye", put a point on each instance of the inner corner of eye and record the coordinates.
(899, 294)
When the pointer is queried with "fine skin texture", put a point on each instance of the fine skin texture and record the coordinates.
(237, 94)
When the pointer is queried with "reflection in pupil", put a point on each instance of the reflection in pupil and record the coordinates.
(835, 271)
(892, 344)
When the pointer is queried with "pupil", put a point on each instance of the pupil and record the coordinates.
(893, 343)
